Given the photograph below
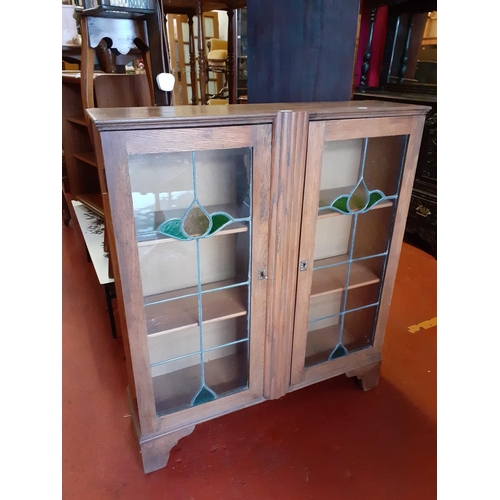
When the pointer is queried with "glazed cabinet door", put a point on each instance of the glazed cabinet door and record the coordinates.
(189, 210)
(354, 175)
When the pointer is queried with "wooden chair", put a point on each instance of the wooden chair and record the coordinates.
(217, 62)
(120, 34)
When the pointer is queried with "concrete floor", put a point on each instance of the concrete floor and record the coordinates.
(327, 441)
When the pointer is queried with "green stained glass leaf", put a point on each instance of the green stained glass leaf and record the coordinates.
(173, 229)
(341, 204)
(218, 220)
(375, 196)
(338, 352)
(204, 396)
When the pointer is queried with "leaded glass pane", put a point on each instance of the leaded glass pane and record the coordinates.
(193, 225)
(359, 328)
(373, 229)
(226, 368)
(357, 202)
(176, 383)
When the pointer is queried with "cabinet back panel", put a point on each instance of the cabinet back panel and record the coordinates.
(373, 230)
(332, 236)
(225, 373)
(341, 161)
(324, 306)
(384, 162)
(169, 177)
(173, 345)
(172, 265)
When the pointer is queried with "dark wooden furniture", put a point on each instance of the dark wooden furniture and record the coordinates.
(236, 280)
(301, 51)
(112, 27)
(108, 90)
(403, 78)
(421, 225)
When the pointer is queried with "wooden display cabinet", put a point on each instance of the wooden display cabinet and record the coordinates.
(254, 250)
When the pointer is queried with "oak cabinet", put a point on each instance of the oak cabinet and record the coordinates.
(254, 249)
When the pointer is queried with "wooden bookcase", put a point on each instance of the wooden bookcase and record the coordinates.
(110, 90)
(254, 250)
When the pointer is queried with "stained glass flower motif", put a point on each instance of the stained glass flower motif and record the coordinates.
(359, 200)
(196, 223)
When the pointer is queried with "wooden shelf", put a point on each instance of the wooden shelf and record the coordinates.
(329, 195)
(77, 120)
(235, 227)
(147, 236)
(320, 343)
(332, 279)
(175, 390)
(430, 41)
(88, 157)
(182, 313)
(151, 299)
(92, 201)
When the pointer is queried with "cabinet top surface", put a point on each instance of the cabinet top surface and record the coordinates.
(423, 98)
(190, 116)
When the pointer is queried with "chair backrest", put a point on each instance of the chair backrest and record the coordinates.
(117, 90)
(217, 44)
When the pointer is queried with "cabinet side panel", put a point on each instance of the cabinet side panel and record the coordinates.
(124, 257)
(111, 254)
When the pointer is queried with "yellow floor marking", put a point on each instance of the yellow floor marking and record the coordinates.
(425, 324)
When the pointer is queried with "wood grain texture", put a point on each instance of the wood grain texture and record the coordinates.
(287, 185)
(124, 251)
(340, 366)
(287, 144)
(307, 284)
(116, 90)
(314, 160)
(127, 274)
(168, 117)
(73, 141)
(368, 375)
(261, 235)
(87, 70)
(113, 268)
(156, 452)
(181, 314)
(203, 138)
(332, 279)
